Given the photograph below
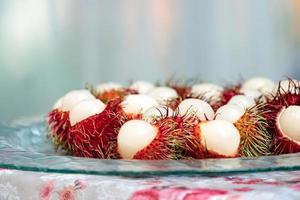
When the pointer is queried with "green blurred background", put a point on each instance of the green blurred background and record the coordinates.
(48, 47)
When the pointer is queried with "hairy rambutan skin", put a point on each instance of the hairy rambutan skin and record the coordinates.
(176, 139)
(275, 105)
(59, 124)
(109, 95)
(256, 139)
(96, 136)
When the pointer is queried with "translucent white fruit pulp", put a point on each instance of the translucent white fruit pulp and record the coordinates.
(138, 103)
(133, 136)
(289, 120)
(221, 137)
(85, 109)
(198, 107)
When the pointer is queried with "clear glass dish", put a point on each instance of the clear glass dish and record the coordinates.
(24, 146)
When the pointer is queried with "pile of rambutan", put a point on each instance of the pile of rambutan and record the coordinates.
(178, 120)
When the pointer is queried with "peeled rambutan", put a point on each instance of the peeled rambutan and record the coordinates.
(189, 90)
(167, 138)
(134, 106)
(96, 136)
(219, 139)
(261, 85)
(163, 94)
(283, 117)
(197, 107)
(58, 118)
(142, 87)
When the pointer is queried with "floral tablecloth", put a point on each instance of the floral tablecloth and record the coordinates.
(23, 185)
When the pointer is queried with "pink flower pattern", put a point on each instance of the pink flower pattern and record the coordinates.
(68, 193)
(46, 190)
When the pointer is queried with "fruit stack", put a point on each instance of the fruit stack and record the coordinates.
(178, 120)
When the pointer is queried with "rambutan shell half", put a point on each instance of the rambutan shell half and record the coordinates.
(256, 139)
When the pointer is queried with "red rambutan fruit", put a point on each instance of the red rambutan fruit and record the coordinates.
(283, 117)
(219, 139)
(58, 119)
(96, 136)
(168, 137)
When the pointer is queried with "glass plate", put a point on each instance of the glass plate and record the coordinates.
(24, 146)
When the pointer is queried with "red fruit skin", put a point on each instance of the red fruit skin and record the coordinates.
(176, 139)
(59, 125)
(96, 136)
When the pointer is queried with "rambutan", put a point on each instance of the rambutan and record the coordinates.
(96, 136)
(253, 128)
(219, 139)
(283, 117)
(134, 106)
(163, 94)
(197, 107)
(262, 85)
(252, 125)
(169, 138)
(58, 118)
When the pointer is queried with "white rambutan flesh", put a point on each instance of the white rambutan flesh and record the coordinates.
(138, 103)
(142, 87)
(74, 97)
(198, 107)
(230, 112)
(134, 136)
(220, 137)
(107, 86)
(163, 94)
(58, 104)
(156, 112)
(288, 122)
(243, 101)
(255, 94)
(206, 90)
(85, 109)
(261, 84)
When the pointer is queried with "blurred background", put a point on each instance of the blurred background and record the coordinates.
(48, 47)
